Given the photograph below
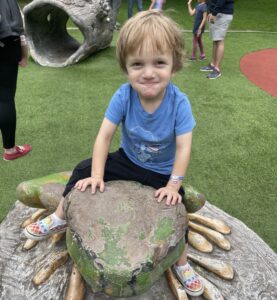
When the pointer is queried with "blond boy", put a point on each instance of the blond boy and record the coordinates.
(156, 121)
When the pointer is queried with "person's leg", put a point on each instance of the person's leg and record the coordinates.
(130, 8)
(117, 167)
(201, 47)
(10, 55)
(194, 47)
(56, 222)
(186, 275)
(218, 53)
(139, 5)
(8, 78)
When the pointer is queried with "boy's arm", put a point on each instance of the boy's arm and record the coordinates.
(170, 191)
(100, 153)
(190, 9)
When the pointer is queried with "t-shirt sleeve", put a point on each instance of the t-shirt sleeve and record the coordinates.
(115, 109)
(185, 121)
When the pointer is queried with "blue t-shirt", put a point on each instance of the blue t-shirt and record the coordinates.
(149, 139)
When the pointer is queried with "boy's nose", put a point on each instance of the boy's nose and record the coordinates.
(148, 72)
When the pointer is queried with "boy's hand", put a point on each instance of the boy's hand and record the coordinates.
(172, 196)
(82, 184)
(189, 2)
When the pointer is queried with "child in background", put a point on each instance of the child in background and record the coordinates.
(157, 4)
(200, 13)
(156, 122)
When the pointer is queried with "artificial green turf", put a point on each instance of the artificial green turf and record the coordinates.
(234, 147)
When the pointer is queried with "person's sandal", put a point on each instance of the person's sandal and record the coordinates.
(20, 151)
(44, 228)
(191, 282)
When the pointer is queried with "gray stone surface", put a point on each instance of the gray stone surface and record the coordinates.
(254, 262)
(123, 240)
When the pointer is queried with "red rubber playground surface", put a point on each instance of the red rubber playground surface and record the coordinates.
(260, 67)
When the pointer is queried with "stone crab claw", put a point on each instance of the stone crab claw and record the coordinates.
(50, 43)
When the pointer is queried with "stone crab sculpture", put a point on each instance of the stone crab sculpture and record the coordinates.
(50, 43)
(102, 266)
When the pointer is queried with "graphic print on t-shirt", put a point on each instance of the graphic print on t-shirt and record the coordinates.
(146, 149)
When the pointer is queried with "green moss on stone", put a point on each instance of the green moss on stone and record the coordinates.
(29, 192)
(142, 236)
(113, 254)
(164, 230)
(125, 206)
(84, 262)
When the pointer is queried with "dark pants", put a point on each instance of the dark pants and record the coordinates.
(10, 55)
(119, 167)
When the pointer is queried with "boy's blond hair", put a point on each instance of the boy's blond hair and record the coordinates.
(150, 30)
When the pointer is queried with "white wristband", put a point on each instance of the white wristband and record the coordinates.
(176, 178)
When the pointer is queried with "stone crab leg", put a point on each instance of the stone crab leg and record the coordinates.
(212, 223)
(175, 285)
(76, 288)
(54, 262)
(199, 242)
(213, 235)
(211, 292)
(34, 217)
(220, 268)
(44, 192)
(55, 238)
(29, 244)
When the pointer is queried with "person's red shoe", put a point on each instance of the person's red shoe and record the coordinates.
(20, 151)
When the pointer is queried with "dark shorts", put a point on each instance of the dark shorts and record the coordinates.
(119, 167)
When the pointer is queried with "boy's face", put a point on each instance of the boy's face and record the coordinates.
(149, 73)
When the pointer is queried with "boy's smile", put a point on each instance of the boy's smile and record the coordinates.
(149, 74)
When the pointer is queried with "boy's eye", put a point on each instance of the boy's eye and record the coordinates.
(136, 64)
(160, 62)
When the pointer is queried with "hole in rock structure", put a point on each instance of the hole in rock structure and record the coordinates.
(52, 34)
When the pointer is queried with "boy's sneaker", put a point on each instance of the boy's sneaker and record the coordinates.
(45, 227)
(193, 59)
(202, 57)
(20, 151)
(208, 68)
(191, 282)
(214, 74)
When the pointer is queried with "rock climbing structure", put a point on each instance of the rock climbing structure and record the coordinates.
(233, 261)
(46, 23)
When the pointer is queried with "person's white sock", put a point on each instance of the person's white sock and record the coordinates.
(57, 220)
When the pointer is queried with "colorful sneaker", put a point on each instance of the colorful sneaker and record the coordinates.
(192, 284)
(44, 228)
(20, 151)
(208, 68)
(214, 74)
(193, 59)
(202, 57)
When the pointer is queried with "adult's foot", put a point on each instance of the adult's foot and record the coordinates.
(16, 152)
